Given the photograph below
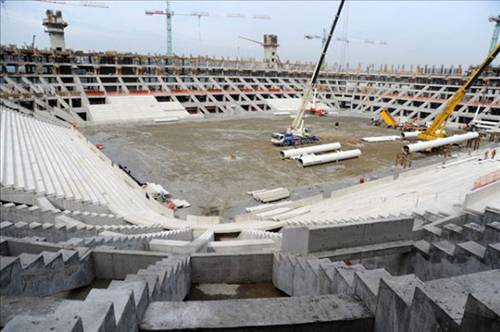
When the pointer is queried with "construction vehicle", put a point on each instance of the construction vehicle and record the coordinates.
(297, 134)
(436, 129)
(386, 119)
(314, 109)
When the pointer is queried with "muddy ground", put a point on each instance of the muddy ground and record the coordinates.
(212, 164)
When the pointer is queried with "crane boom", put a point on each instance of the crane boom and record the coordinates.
(433, 131)
(251, 40)
(298, 122)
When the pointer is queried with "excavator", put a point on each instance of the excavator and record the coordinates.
(436, 129)
(297, 134)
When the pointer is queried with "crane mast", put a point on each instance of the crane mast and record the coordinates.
(434, 131)
(298, 123)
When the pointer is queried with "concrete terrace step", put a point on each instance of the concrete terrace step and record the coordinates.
(127, 241)
(443, 247)
(441, 303)
(45, 273)
(492, 232)
(51, 232)
(472, 248)
(123, 305)
(473, 232)
(96, 315)
(140, 291)
(332, 312)
(452, 232)
(366, 285)
(344, 278)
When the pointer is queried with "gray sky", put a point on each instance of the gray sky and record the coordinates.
(417, 32)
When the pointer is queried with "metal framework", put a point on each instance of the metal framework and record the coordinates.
(65, 83)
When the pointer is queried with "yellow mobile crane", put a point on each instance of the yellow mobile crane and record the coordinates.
(435, 130)
(388, 118)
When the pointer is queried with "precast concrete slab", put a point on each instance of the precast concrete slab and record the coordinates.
(309, 313)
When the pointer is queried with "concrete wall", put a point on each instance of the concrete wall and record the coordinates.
(303, 240)
(231, 268)
(116, 264)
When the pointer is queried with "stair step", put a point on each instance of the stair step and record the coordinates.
(49, 257)
(473, 231)
(95, 315)
(423, 247)
(432, 233)
(452, 231)
(366, 285)
(492, 232)
(69, 255)
(327, 275)
(449, 296)
(444, 246)
(473, 248)
(344, 278)
(123, 305)
(141, 294)
(150, 278)
(29, 259)
(5, 261)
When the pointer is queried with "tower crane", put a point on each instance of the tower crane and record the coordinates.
(297, 133)
(496, 31)
(93, 4)
(435, 130)
(345, 40)
(168, 13)
(270, 46)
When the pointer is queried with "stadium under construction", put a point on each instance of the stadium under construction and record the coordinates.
(158, 193)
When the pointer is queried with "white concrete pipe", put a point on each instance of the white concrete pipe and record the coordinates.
(313, 159)
(424, 145)
(310, 149)
(376, 139)
(410, 134)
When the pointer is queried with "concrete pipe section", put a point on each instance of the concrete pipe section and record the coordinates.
(425, 145)
(410, 134)
(312, 159)
(376, 139)
(310, 149)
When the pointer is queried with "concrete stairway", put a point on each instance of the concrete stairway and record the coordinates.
(126, 241)
(23, 212)
(45, 273)
(50, 232)
(430, 188)
(121, 306)
(60, 232)
(257, 235)
(168, 280)
(400, 303)
(41, 159)
(463, 303)
(450, 249)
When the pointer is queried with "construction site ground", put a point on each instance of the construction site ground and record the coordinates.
(213, 164)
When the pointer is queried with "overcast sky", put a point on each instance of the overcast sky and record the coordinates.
(419, 32)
